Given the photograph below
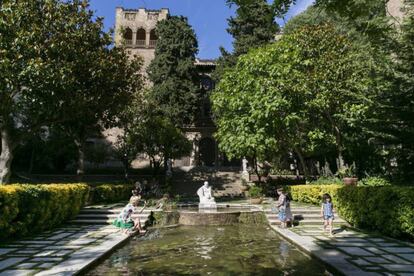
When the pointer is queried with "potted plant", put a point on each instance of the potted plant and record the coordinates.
(255, 194)
(348, 175)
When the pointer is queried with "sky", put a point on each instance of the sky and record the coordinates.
(207, 17)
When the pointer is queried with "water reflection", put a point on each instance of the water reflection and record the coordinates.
(209, 250)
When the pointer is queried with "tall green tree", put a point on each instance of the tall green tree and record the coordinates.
(302, 93)
(174, 78)
(58, 70)
(29, 30)
(253, 26)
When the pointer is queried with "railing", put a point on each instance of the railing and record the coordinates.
(152, 43)
(140, 43)
(128, 41)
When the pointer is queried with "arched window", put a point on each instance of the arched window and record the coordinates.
(153, 38)
(141, 37)
(128, 36)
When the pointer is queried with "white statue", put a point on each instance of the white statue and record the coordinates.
(244, 163)
(206, 196)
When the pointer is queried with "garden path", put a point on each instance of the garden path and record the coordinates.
(68, 249)
(349, 251)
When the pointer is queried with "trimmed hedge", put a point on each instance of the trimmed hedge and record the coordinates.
(27, 209)
(108, 193)
(388, 209)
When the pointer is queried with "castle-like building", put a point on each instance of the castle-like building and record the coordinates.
(135, 32)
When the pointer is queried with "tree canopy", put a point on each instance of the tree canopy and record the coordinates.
(172, 72)
(298, 94)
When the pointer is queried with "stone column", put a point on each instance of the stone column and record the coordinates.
(134, 38)
(147, 38)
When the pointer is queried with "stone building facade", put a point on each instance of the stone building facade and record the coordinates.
(135, 31)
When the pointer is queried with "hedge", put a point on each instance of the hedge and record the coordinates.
(28, 209)
(388, 209)
(108, 193)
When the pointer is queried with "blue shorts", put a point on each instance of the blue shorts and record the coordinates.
(329, 217)
(282, 215)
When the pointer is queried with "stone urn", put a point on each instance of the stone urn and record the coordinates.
(257, 200)
(350, 181)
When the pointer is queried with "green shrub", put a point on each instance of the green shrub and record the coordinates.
(387, 209)
(255, 191)
(374, 181)
(28, 209)
(109, 193)
(323, 180)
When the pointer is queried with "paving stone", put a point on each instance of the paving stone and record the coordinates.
(377, 260)
(32, 242)
(26, 252)
(82, 241)
(44, 254)
(62, 253)
(59, 236)
(409, 257)
(352, 244)
(46, 265)
(375, 250)
(9, 262)
(56, 247)
(399, 267)
(406, 274)
(18, 272)
(46, 259)
(4, 251)
(395, 259)
(389, 244)
(356, 251)
(37, 246)
(377, 240)
(27, 265)
(397, 250)
(361, 262)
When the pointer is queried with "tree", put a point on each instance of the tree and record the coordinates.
(300, 93)
(172, 71)
(395, 121)
(30, 30)
(57, 70)
(253, 26)
(148, 132)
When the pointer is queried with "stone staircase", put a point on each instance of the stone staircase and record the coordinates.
(104, 215)
(303, 216)
(224, 183)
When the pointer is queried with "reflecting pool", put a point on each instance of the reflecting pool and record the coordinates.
(209, 250)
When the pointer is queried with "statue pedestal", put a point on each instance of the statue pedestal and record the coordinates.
(207, 206)
(246, 176)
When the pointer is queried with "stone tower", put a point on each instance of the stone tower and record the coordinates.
(135, 30)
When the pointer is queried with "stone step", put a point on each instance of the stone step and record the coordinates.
(108, 211)
(107, 216)
(97, 221)
(309, 221)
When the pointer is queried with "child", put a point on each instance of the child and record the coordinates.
(283, 204)
(327, 213)
(125, 221)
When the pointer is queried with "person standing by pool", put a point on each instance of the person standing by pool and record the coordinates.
(124, 220)
(283, 205)
(327, 213)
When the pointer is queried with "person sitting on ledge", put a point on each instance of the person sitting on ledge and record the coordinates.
(124, 220)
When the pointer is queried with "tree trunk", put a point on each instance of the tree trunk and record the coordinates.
(302, 162)
(256, 169)
(80, 171)
(6, 156)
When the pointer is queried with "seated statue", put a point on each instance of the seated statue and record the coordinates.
(206, 196)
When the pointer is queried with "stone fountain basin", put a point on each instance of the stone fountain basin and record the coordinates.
(223, 215)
